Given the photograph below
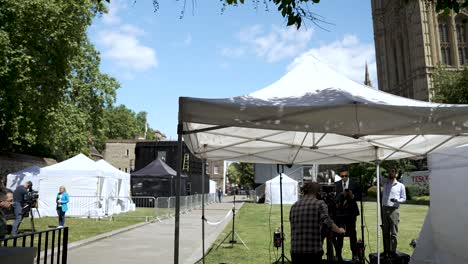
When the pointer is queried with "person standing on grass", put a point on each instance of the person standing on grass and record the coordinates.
(347, 193)
(62, 201)
(393, 194)
(307, 216)
(19, 203)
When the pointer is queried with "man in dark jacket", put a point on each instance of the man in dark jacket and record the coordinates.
(347, 193)
(20, 202)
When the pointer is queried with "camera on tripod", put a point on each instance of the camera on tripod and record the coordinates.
(31, 198)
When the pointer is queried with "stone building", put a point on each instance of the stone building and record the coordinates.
(121, 154)
(411, 40)
(215, 170)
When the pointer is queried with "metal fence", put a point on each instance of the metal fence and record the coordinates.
(149, 207)
(51, 245)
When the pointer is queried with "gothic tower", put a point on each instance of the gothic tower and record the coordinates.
(411, 40)
(367, 80)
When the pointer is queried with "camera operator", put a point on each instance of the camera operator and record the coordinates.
(6, 200)
(20, 202)
(347, 193)
(307, 216)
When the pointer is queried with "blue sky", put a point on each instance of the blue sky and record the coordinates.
(158, 56)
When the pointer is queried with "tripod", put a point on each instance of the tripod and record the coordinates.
(29, 208)
(233, 231)
(282, 256)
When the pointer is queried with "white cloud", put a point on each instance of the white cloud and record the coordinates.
(122, 44)
(347, 56)
(277, 44)
(126, 50)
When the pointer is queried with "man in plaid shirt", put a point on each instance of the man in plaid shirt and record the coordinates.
(307, 217)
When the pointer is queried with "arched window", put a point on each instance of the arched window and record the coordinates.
(461, 29)
(444, 38)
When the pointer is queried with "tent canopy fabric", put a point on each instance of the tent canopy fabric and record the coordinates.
(157, 168)
(106, 167)
(77, 165)
(443, 236)
(315, 115)
(290, 189)
(18, 178)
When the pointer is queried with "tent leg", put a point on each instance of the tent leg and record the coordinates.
(203, 210)
(177, 192)
(282, 257)
(377, 163)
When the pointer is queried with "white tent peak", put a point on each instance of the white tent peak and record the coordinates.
(79, 162)
(314, 79)
(285, 179)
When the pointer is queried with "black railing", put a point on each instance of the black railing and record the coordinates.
(51, 245)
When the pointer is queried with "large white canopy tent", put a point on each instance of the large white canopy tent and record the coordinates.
(315, 115)
(85, 182)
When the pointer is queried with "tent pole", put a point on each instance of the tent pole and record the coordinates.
(177, 191)
(377, 163)
(203, 210)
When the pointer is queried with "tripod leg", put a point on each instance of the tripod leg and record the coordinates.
(228, 235)
(32, 221)
(241, 240)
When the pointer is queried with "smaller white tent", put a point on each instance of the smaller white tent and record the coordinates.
(118, 196)
(85, 183)
(445, 230)
(290, 190)
(212, 186)
(18, 178)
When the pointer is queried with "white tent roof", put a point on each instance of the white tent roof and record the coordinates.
(106, 167)
(276, 180)
(18, 178)
(315, 115)
(77, 165)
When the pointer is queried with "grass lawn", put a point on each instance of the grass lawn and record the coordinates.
(82, 228)
(253, 225)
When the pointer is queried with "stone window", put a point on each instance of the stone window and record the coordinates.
(128, 152)
(215, 169)
(444, 37)
(461, 30)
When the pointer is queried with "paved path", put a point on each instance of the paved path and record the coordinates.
(154, 243)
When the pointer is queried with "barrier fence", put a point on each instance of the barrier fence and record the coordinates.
(149, 207)
(51, 245)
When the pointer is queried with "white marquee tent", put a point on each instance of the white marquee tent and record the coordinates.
(315, 115)
(18, 178)
(290, 190)
(444, 233)
(118, 197)
(85, 182)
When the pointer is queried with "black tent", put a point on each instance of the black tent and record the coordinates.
(156, 179)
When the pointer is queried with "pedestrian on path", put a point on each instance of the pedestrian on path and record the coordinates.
(220, 194)
(62, 207)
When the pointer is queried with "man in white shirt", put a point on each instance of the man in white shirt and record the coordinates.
(393, 194)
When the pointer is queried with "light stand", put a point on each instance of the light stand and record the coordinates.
(233, 231)
(363, 253)
(282, 257)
